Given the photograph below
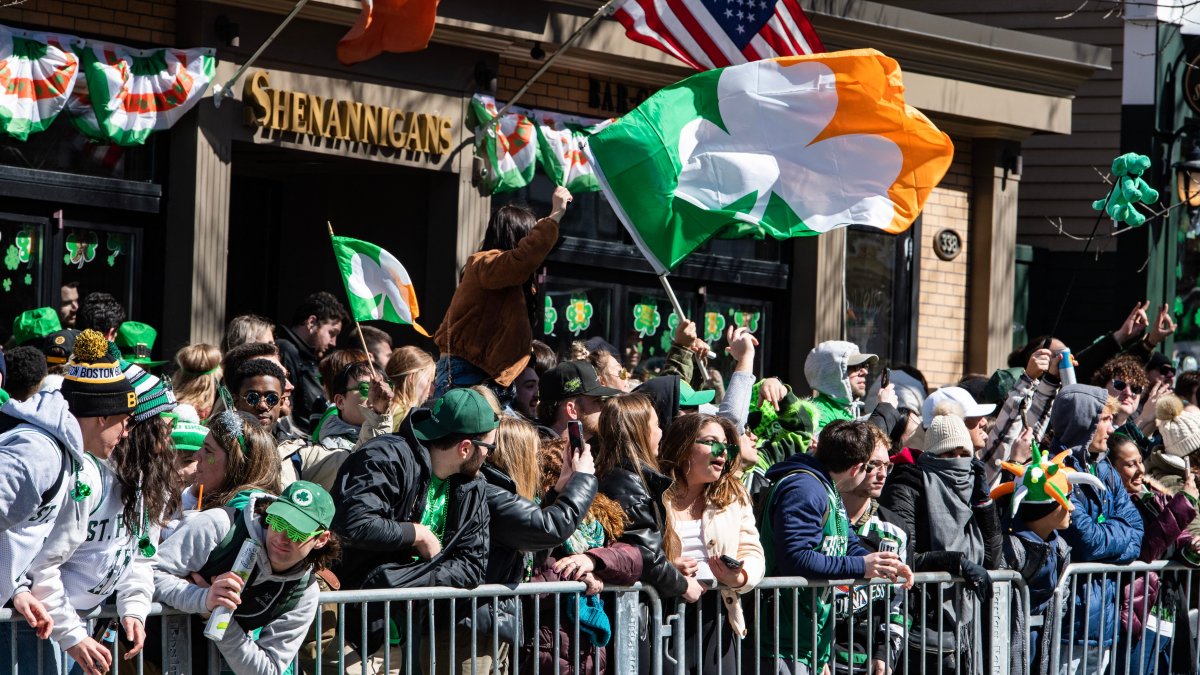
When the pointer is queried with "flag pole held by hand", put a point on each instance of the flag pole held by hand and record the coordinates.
(358, 326)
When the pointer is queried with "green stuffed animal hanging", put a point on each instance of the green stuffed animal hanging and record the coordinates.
(1128, 190)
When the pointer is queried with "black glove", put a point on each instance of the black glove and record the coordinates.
(980, 494)
(977, 580)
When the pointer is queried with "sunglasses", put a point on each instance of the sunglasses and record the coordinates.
(283, 527)
(490, 446)
(872, 467)
(254, 398)
(717, 448)
(363, 389)
(1134, 389)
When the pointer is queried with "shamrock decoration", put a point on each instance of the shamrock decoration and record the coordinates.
(12, 258)
(81, 248)
(579, 315)
(28, 279)
(115, 246)
(714, 325)
(646, 319)
(7, 285)
(669, 334)
(549, 317)
(747, 319)
(24, 244)
(1129, 189)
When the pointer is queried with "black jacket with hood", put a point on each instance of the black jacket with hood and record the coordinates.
(308, 398)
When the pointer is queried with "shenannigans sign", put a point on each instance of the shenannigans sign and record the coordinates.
(354, 121)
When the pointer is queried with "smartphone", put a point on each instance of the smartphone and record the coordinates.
(575, 436)
(732, 563)
(885, 379)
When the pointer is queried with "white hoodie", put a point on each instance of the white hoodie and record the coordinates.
(31, 461)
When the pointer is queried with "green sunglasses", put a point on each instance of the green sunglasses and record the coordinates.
(717, 448)
(284, 527)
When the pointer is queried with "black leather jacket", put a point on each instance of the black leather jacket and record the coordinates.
(642, 502)
(519, 525)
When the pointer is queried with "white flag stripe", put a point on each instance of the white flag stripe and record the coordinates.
(672, 23)
(718, 36)
(639, 19)
(791, 30)
(764, 50)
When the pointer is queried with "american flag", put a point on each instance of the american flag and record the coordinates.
(709, 34)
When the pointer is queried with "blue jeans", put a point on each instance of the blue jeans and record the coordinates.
(454, 372)
(32, 657)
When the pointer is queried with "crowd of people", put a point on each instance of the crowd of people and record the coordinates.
(495, 461)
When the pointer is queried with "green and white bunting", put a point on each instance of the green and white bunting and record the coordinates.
(529, 138)
(37, 74)
(134, 92)
(377, 285)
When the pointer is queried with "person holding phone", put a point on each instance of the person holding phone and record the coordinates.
(712, 537)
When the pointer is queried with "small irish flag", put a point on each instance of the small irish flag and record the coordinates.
(377, 284)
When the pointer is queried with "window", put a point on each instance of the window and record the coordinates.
(21, 281)
(879, 292)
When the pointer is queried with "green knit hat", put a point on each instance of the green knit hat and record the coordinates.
(94, 384)
(136, 340)
(188, 436)
(35, 323)
(153, 395)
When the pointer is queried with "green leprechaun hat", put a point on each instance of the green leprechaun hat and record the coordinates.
(1043, 481)
(136, 340)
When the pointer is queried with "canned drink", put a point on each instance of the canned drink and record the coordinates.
(888, 546)
(1066, 367)
(219, 620)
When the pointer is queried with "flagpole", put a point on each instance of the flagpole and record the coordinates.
(671, 296)
(224, 91)
(608, 8)
(357, 325)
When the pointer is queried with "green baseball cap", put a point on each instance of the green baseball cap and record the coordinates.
(690, 398)
(306, 507)
(459, 411)
(188, 436)
(35, 323)
(135, 340)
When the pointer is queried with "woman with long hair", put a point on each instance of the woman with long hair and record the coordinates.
(199, 375)
(627, 467)
(410, 370)
(237, 456)
(113, 550)
(486, 335)
(712, 535)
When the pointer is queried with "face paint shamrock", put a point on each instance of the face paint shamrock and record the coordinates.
(746, 319)
(549, 317)
(646, 319)
(1128, 190)
(579, 315)
(24, 243)
(115, 245)
(81, 248)
(714, 325)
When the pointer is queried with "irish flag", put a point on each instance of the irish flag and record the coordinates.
(388, 26)
(779, 148)
(377, 284)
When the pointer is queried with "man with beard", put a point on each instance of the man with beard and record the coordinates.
(412, 509)
(315, 327)
(873, 628)
(837, 373)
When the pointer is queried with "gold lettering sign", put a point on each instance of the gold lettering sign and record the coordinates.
(354, 121)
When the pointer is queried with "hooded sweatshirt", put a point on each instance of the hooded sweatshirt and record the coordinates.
(664, 395)
(826, 370)
(189, 549)
(32, 463)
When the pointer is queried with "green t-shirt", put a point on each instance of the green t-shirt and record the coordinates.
(434, 516)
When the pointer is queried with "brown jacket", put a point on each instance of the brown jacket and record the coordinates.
(488, 324)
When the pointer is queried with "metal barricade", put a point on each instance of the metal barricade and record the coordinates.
(1133, 619)
(794, 625)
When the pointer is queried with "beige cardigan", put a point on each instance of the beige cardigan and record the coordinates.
(731, 531)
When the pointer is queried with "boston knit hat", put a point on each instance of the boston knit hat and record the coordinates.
(153, 395)
(188, 436)
(947, 432)
(35, 323)
(305, 507)
(136, 340)
(459, 411)
(94, 384)
(58, 345)
(1180, 430)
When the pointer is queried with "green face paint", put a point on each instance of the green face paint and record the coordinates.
(211, 460)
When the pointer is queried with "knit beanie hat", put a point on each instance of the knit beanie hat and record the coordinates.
(188, 436)
(94, 384)
(947, 431)
(1180, 430)
(153, 395)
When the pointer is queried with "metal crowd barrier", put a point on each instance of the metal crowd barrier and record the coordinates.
(1091, 625)
(1134, 619)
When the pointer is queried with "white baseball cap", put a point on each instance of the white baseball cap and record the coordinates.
(959, 396)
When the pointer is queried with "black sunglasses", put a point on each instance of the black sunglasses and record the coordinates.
(490, 446)
(254, 398)
(1135, 389)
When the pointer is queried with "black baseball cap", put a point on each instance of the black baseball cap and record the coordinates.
(1159, 361)
(572, 378)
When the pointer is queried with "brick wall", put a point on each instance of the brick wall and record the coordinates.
(941, 318)
(132, 22)
(568, 91)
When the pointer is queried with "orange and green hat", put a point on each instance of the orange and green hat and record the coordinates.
(1043, 481)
